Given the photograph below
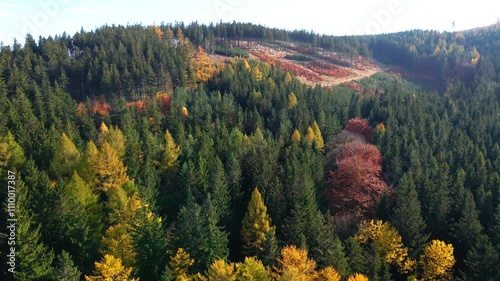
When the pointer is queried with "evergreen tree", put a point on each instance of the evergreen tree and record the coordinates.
(467, 230)
(66, 269)
(407, 217)
(149, 241)
(198, 232)
(482, 261)
(33, 258)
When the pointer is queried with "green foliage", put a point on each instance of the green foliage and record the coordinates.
(299, 57)
(66, 269)
(407, 218)
(33, 258)
(237, 132)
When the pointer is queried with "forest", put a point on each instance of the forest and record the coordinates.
(127, 153)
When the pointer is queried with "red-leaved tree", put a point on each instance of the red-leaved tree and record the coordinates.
(361, 127)
(357, 182)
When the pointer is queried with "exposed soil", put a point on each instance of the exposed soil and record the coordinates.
(324, 68)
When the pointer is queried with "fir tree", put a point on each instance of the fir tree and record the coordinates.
(407, 217)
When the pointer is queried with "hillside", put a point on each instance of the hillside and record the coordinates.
(240, 152)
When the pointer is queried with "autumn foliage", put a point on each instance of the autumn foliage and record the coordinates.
(361, 127)
(328, 69)
(294, 69)
(356, 178)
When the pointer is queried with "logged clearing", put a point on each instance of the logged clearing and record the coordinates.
(310, 66)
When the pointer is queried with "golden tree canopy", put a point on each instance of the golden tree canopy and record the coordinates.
(437, 261)
(110, 269)
(389, 242)
(294, 262)
(255, 224)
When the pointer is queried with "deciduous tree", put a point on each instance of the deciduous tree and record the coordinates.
(255, 225)
(437, 261)
(110, 268)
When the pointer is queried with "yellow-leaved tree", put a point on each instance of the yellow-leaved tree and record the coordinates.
(292, 100)
(110, 269)
(255, 225)
(11, 153)
(328, 274)
(66, 158)
(389, 242)
(296, 136)
(310, 135)
(170, 153)
(220, 270)
(257, 73)
(318, 138)
(116, 139)
(357, 277)
(111, 172)
(295, 265)
(202, 65)
(117, 242)
(89, 162)
(252, 269)
(437, 261)
(180, 264)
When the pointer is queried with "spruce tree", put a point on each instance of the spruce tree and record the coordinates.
(149, 241)
(66, 270)
(33, 258)
(407, 216)
(482, 261)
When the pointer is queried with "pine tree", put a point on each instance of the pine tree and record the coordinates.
(482, 261)
(255, 225)
(79, 219)
(66, 269)
(468, 228)
(357, 256)
(220, 191)
(494, 231)
(270, 249)
(328, 274)
(149, 241)
(407, 216)
(199, 233)
(32, 256)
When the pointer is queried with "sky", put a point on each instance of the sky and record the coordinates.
(348, 17)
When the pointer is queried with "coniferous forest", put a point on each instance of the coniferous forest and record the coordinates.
(131, 155)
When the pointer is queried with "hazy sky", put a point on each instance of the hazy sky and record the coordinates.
(50, 17)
